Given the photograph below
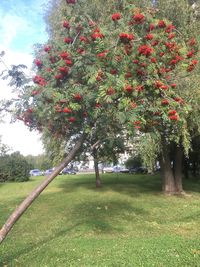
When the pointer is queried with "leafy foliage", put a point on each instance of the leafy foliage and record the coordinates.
(125, 66)
(149, 150)
(13, 167)
(41, 162)
(4, 149)
(133, 162)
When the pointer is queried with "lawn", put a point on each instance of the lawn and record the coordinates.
(128, 222)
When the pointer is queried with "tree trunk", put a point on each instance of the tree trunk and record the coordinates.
(186, 168)
(178, 169)
(168, 181)
(96, 168)
(194, 168)
(36, 192)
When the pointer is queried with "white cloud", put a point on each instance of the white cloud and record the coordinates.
(10, 26)
(20, 27)
(19, 138)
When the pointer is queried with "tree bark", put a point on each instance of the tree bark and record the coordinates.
(186, 168)
(168, 181)
(96, 168)
(36, 192)
(178, 168)
(194, 168)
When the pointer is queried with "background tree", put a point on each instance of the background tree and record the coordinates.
(41, 162)
(4, 149)
(185, 16)
(133, 162)
(14, 167)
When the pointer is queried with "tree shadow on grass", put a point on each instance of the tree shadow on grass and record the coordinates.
(89, 218)
(105, 216)
(191, 185)
(7, 259)
(132, 185)
(95, 215)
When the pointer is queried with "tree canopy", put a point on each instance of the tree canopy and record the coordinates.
(122, 69)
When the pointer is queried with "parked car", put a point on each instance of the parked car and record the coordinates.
(68, 171)
(115, 169)
(138, 170)
(75, 168)
(107, 169)
(124, 170)
(49, 171)
(35, 172)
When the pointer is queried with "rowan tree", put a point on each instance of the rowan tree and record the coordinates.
(185, 17)
(125, 67)
(185, 22)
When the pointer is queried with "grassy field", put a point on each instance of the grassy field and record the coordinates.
(127, 223)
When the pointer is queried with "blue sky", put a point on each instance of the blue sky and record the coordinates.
(21, 26)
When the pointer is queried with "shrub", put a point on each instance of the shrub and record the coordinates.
(133, 162)
(14, 167)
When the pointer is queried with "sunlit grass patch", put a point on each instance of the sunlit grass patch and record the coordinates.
(128, 222)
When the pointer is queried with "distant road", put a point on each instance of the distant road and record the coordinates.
(87, 171)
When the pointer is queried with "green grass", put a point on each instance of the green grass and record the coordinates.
(128, 222)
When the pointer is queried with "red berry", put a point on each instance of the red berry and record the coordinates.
(47, 48)
(66, 24)
(174, 117)
(68, 40)
(116, 16)
(173, 85)
(78, 97)
(164, 102)
(38, 62)
(139, 18)
(139, 88)
(97, 105)
(161, 24)
(71, 1)
(149, 36)
(67, 110)
(172, 112)
(128, 88)
(110, 91)
(72, 119)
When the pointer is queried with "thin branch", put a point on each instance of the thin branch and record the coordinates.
(75, 38)
(95, 144)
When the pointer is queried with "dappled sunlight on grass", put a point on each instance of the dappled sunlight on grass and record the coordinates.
(122, 183)
(73, 220)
